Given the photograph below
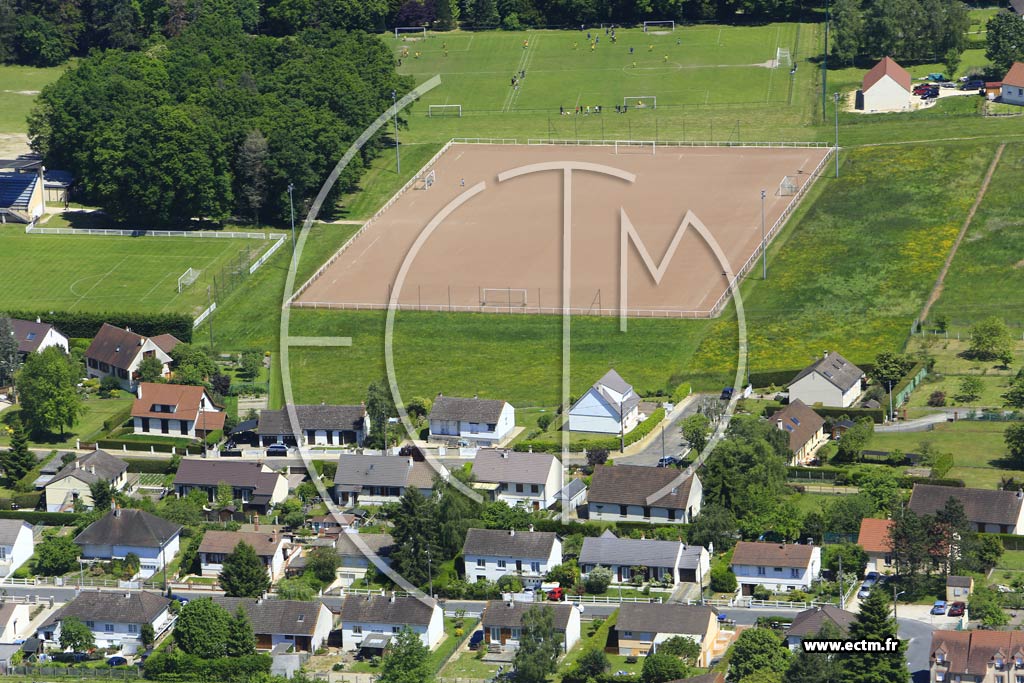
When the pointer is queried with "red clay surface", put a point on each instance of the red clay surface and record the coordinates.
(509, 237)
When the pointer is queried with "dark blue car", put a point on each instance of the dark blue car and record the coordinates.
(476, 639)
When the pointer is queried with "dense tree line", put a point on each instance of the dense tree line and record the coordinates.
(215, 122)
(910, 30)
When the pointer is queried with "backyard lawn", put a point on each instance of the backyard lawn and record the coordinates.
(89, 425)
(466, 665)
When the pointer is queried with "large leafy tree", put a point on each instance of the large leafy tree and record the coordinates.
(539, 646)
(990, 338)
(660, 667)
(75, 636)
(847, 30)
(696, 429)
(1014, 439)
(714, 527)
(1004, 39)
(56, 555)
(817, 667)
(406, 660)
(49, 398)
(875, 623)
(102, 494)
(244, 575)
(414, 532)
(890, 368)
(757, 649)
(240, 639)
(202, 629)
(379, 407)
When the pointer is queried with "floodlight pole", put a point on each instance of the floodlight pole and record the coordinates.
(291, 207)
(764, 246)
(836, 97)
(824, 66)
(398, 157)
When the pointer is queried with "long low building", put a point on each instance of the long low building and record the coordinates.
(666, 561)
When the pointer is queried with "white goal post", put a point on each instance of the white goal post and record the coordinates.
(641, 102)
(425, 181)
(782, 58)
(636, 147)
(405, 30)
(660, 25)
(788, 186)
(503, 296)
(187, 278)
(444, 110)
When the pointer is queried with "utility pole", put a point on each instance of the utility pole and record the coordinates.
(398, 157)
(836, 97)
(291, 206)
(764, 246)
(824, 65)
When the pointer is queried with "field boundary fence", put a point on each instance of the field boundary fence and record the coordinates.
(195, 234)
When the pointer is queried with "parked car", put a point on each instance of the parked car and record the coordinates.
(939, 607)
(277, 449)
(726, 394)
(556, 594)
(957, 609)
(180, 598)
(668, 461)
(117, 660)
(476, 639)
(922, 88)
(865, 589)
(973, 85)
(873, 576)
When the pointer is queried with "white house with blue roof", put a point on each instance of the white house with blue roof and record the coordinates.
(21, 191)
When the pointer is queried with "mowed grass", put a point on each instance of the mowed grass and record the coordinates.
(88, 427)
(99, 273)
(19, 86)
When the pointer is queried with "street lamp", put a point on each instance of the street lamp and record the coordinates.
(891, 415)
(398, 158)
(895, 598)
(764, 253)
(430, 574)
(291, 207)
(836, 97)
(622, 430)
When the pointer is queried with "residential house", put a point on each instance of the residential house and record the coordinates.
(632, 493)
(776, 566)
(527, 555)
(33, 337)
(332, 524)
(529, 480)
(665, 561)
(72, 481)
(115, 619)
(14, 621)
(254, 484)
(371, 621)
(886, 87)
(272, 548)
(572, 495)
(641, 627)
(120, 532)
(378, 479)
(988, 510)
(609, 407)
(353, 548)
(302, 625)
(831, 381)
(175, 410)
(118, 352)
(805, 427)
(16, 545)
(21, 191)
(7, 653)
(502, 623)
(976, 656)
(874, 539)
(319, 425)
(808, 624)
(1012, 89)
(478, 421)
(959, 588)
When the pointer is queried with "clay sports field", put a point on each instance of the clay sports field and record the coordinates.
(502, 250)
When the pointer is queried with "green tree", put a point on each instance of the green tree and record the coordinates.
(970, 389)
(9, 358)
(406, 660)
(1014, 439)
(482, 13)
(323, 562)
(109, 386)
(1004, 39)
(817, 667)
(685, 648)
(855, 439)
(244, 575)
(102, 494)
(566, 575)
(909, 538)
(984, 606)
(592, 663)
(251, 174)
(539, 646)
(847, 30)
(241, 640)
(186, 511)
(881, 485)
(448, 12)
(660, 668)
(147, 635)
(844, 514)
(696, 429)
(990, 338)
(890, 368)
(252, 363)
(722, 579)
(49, 397)
(714, 527)
(225, 495)
(202, 629)
(56, 555)
(151, 369)
(757, 649)
(295, 589)
(952, 61)
(595, 456)
(418, 407)
(598, 579)
(987, 552)
(75, 636)
(1014, 397)
(18, 460)
(854, 558)
(414, 532)
(379, 407)
(874, 622)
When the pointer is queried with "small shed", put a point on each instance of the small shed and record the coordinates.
(958, 588)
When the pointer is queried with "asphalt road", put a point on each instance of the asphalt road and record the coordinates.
(671, 441)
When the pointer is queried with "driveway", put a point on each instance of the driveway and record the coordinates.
(919, 424)
(669, 442)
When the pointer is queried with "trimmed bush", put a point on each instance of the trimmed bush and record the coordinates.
(876, 414)
(117, 420)
(610, 443)
(115, 445)
(144, 466)
(47, 518)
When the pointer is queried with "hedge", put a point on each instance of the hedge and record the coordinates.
(781, 378)
(144, 466)
(610, 443)
(326, 468)
(820, 473)
(589, 529)
(902, 384)
(47, 518)
(85, 324)
(117, 420)
(215, 437)
(908, 482)
(24, 501)
(876, 414)
(1010, 541)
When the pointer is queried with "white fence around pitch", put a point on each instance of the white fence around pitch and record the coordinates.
(484, 141)
(602, 600)
(204, 315)
(521, 310)
(198, 234)
(675, 143)
(266, 255)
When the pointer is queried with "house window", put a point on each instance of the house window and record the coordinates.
(501, 564)
(109, 628)
(794, 573)
(491, 427)
(133, 628)
(357, 630)
(519, 488)
(90, 624)
(93, 364)
(535, 567)
(627, 634)
(396, 629)
(760, 571)
(481, 562)
(534, 488)
(104, 367)
(778, 570)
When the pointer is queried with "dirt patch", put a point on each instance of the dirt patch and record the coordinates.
(13, 145)
(1019, 264)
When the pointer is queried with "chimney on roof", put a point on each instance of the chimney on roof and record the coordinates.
(825, 355)
(117, 349)
(531, 528)
(531, 448)
(511, 532)
(117, 512)
(127, 329)
(38, 319)
(509, 604)
(392, 598)
(92, 469)
(1020, 494)
(127, 596)
(504, 453)
(141, 342)
(256, 522)
(778, 423)
(78, 464)
(410, 462)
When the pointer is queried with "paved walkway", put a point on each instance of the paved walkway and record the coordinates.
(918, 424)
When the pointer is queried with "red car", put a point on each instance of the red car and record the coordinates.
(556, 594)
(956, 609)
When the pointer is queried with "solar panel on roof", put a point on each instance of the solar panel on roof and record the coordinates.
(795, 421)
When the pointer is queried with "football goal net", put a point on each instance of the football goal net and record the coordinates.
(640, 102)
(506, 297)
(659, 26)
(788, 186)
(444, 110)
(187, 278)
(425, 181)
(414, 32)
(635, 147)
(783, 60)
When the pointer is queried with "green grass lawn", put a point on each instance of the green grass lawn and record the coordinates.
(467, 665)
(89, 425)
(439, 655)
(949, 361)
(1012, 560)
(991, 395)
(19, 86)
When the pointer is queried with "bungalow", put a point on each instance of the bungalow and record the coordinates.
(72, 482)
(254, 484)
(119, 352)
(886, 87)
(319, 425)
(632, 493)
(272, 548)
(332, 524)
(301, 625)
(351, 549)
(482, 422)
(778, 567)
(988, 510)
(115, 619)
(120, 532)
(805, 427)
(874, 539)
(1012, 89)
(14, 621)
(831, 381)
(530, 480)
(33, 337)
(175, 410)
(493, 553)
(976, 656)
(16, 545)
(502, 623)
(808, 624)
(609, 407)
(378, 479)
(572, 495)
(370, 621)
(641, 627)
(666, 561)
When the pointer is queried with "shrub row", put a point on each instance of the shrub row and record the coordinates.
(85, 324)
(326, 469)
(942, 465)
(1010, 541)
(876, 414)
(610, 443)
(144, 466)
(117, 420)
(824, 472)
(907, 379)
(47, 518)
(178, 666)
(24, 501)
(781, 378)
(908, 482)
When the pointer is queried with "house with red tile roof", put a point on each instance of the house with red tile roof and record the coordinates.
(1012, 90)
(175, 410)
(977, 656)
(874, 539)
(887, 87)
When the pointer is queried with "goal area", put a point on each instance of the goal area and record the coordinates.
(783, 59)
(788, 186)
(640, 102)
(434, 110)
(659, 26)
(415, 32)
(635, 147)
(506, 297)
(187, 278)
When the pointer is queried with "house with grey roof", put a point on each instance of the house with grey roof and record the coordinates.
(776, 566)
(255, 485)
(808, 624)
(16, 545)
(72, 482)
(641, 627)
(369, 622)
(318, 425)
(378, 479)
(610, 406)
(572, 495)
(831, 381)
(529, 480)
(633, 493)
(302, 625)
(273, 548)
(502, 623)
(14, 621)
(34, 336)
(477, 421)
(353, 550)
(644, 559)
(119, 352)
(115, 619)
(120, 532)
(527, 555)
(988, 510)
